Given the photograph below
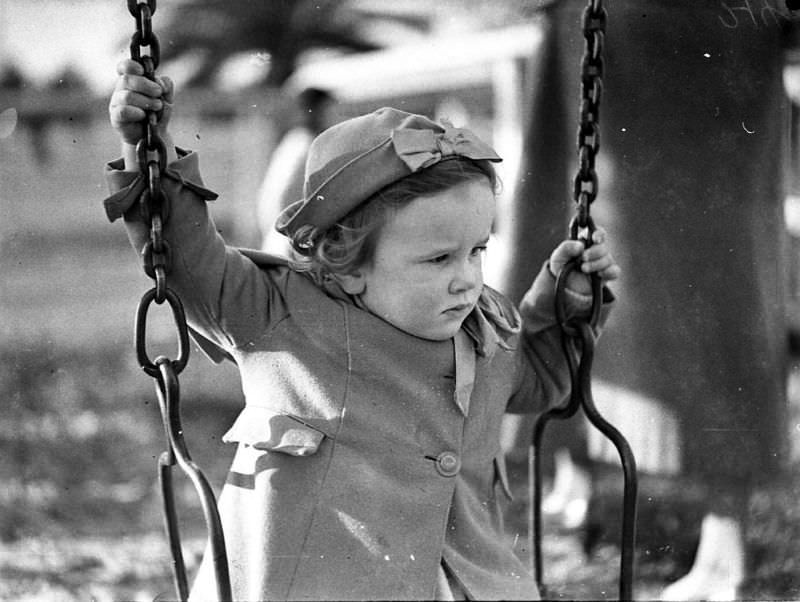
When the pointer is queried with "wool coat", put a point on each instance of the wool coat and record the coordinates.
(366, 457)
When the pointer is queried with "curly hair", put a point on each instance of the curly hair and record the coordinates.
(350, 243)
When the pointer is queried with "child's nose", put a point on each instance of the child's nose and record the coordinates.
(468, 275)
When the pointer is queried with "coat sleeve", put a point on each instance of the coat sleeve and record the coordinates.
(228, 299)
(544, 378)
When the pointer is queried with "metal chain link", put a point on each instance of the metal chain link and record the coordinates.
(585, 183)
(150, 151)
(156, 257)
(578, 334)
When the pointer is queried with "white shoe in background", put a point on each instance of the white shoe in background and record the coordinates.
(568, 501)
(719, 565)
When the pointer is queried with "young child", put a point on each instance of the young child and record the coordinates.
(376, 365)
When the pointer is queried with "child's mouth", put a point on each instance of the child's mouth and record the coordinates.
(458, 309)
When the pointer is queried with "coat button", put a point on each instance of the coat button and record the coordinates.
(448, 464)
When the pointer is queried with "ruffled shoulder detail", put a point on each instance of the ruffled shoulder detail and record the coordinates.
(493, 322)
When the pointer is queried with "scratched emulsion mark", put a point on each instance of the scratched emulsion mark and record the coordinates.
(360, 531)
(753, 13)
(8, 122)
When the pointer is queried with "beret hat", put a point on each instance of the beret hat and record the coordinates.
(351, 161)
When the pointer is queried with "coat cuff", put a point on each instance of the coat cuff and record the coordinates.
(126, 186)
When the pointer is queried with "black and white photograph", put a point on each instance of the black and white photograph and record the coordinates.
(399, 300)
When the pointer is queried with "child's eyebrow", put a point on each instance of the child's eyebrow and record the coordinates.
(447, 248)
(435, 250)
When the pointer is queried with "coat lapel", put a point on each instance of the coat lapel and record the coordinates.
(465, 370)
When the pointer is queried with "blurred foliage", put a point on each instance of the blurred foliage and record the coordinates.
(11, 77)
(214, 30)
(217, 29)
(69, 78)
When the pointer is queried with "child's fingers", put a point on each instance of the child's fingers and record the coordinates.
(140, 84)
(132, 78)
(604, 266)
(563, 253)
(595, 252)
(129, 98)
(122, 114)
(129, 66)
(598, 250)
(569, 249)
(612, 272)
(167, 88)
(597, 264)
(599, 236)
(595, 259)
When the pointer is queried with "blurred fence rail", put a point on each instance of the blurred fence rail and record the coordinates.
(68, 276)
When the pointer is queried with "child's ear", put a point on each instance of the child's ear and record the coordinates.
(353, 283)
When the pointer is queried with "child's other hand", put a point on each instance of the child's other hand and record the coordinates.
(596, 259)
(133, 94)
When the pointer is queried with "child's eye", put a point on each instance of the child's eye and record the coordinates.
(438, 259)
(478, 250)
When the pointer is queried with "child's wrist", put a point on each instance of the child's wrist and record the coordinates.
(129, 157)
(132, 160)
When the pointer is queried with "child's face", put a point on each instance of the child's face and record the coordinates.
(426, 273)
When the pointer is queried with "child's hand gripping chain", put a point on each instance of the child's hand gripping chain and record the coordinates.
(597, 259)
(132, 96)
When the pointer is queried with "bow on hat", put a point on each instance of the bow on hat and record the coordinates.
(353, 160)
(419, 149)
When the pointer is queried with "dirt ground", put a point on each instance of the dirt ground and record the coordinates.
(137, 568)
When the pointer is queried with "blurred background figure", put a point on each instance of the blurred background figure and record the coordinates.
(693, 367)
(283, 181)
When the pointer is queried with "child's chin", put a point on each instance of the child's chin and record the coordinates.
(441, 334)
(440, 330)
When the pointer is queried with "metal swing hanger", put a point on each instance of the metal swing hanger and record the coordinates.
(577, 335)
(156, 256)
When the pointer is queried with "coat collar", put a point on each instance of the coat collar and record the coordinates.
(492, 323)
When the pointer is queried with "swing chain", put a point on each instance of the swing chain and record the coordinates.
(151, 155)
(585, 183)
(151, 152)
(578, 333)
